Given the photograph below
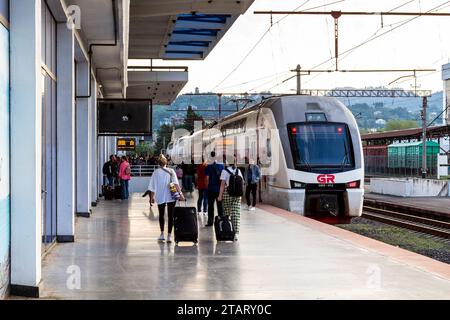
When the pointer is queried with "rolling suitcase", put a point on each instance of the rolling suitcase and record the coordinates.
(185, 224)
(108, 193)
(224, 229)
(118, 192)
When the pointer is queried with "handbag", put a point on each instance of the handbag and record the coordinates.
(172, 187)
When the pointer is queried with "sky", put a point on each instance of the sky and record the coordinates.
(422, 43)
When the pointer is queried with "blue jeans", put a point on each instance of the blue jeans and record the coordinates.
(202, 198)
(124, 185)
(111, 181)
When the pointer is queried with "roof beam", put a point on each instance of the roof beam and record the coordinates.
(145, 8)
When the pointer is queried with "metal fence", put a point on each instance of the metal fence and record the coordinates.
(381, 166)
(142, 171)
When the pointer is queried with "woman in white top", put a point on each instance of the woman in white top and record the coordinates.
(231, 205)
(161, 194)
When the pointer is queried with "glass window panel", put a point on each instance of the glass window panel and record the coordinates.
(321, 145)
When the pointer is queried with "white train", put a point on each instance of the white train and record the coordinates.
(309, 149)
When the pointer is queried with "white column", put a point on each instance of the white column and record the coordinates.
(26, 149)
(101, 158)
(94, 142)
(66, 135)
(83, 133)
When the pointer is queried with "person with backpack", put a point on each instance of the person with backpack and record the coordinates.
(252, 176)
(165, 191)
(231, 191)
(213, 172)
(125, 177)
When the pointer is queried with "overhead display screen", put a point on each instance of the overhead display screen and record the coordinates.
(124, 118)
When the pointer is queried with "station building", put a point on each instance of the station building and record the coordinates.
(57, 58)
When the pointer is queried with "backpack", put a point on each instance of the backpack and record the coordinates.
(106, 169)
(236, 184)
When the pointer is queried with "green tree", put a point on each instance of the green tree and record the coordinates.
(144, 149)
(400, 125)
(191, 117)
(164, 138)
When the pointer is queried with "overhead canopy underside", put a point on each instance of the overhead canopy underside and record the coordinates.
(180, 29)
(175, 30)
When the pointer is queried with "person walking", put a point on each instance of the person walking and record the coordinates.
(125, 177)
(252, 176)
(161, 183)
(213, 172)
(202, 186)
(188, 175)
(231, 191)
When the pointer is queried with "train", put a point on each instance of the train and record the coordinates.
(308, 148)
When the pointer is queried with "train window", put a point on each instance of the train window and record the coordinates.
(234, 127)
(316, 117)
(321, 147)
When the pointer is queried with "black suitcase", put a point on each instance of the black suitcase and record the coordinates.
(118, 192)
(185, 224)
(108, 193)
(224, 229)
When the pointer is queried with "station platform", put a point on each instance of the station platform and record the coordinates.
(280, 255)
(439, 206)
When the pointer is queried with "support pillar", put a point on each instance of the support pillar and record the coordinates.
(26, 147)
(83, 133)
(94, 145)
(66, 135)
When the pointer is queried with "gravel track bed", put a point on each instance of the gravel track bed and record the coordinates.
(424, 244)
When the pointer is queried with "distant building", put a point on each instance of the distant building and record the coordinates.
(197, 90)
(381, 122)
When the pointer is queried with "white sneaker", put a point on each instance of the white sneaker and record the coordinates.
(246, 207)
(169, 238)
(252, 209)
(161, 237)
(236, 237)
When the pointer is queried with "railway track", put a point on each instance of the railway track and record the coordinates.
(421, 224)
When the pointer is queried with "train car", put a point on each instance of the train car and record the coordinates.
(375, 159)
(309, 150)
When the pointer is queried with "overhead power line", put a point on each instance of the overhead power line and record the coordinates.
(371, 38)
(264, 35)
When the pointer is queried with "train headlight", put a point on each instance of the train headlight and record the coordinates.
(353, 184)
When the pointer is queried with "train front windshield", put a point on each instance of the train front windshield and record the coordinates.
(321, 147)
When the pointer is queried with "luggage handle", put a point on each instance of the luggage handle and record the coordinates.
(185, 203)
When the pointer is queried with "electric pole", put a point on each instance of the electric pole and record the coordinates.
(424, 137)
(299, 79)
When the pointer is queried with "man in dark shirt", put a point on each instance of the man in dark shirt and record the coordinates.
(110, 170)
(188, 175)
(212, 173)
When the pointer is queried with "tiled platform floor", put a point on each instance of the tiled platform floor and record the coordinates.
(276, 258)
